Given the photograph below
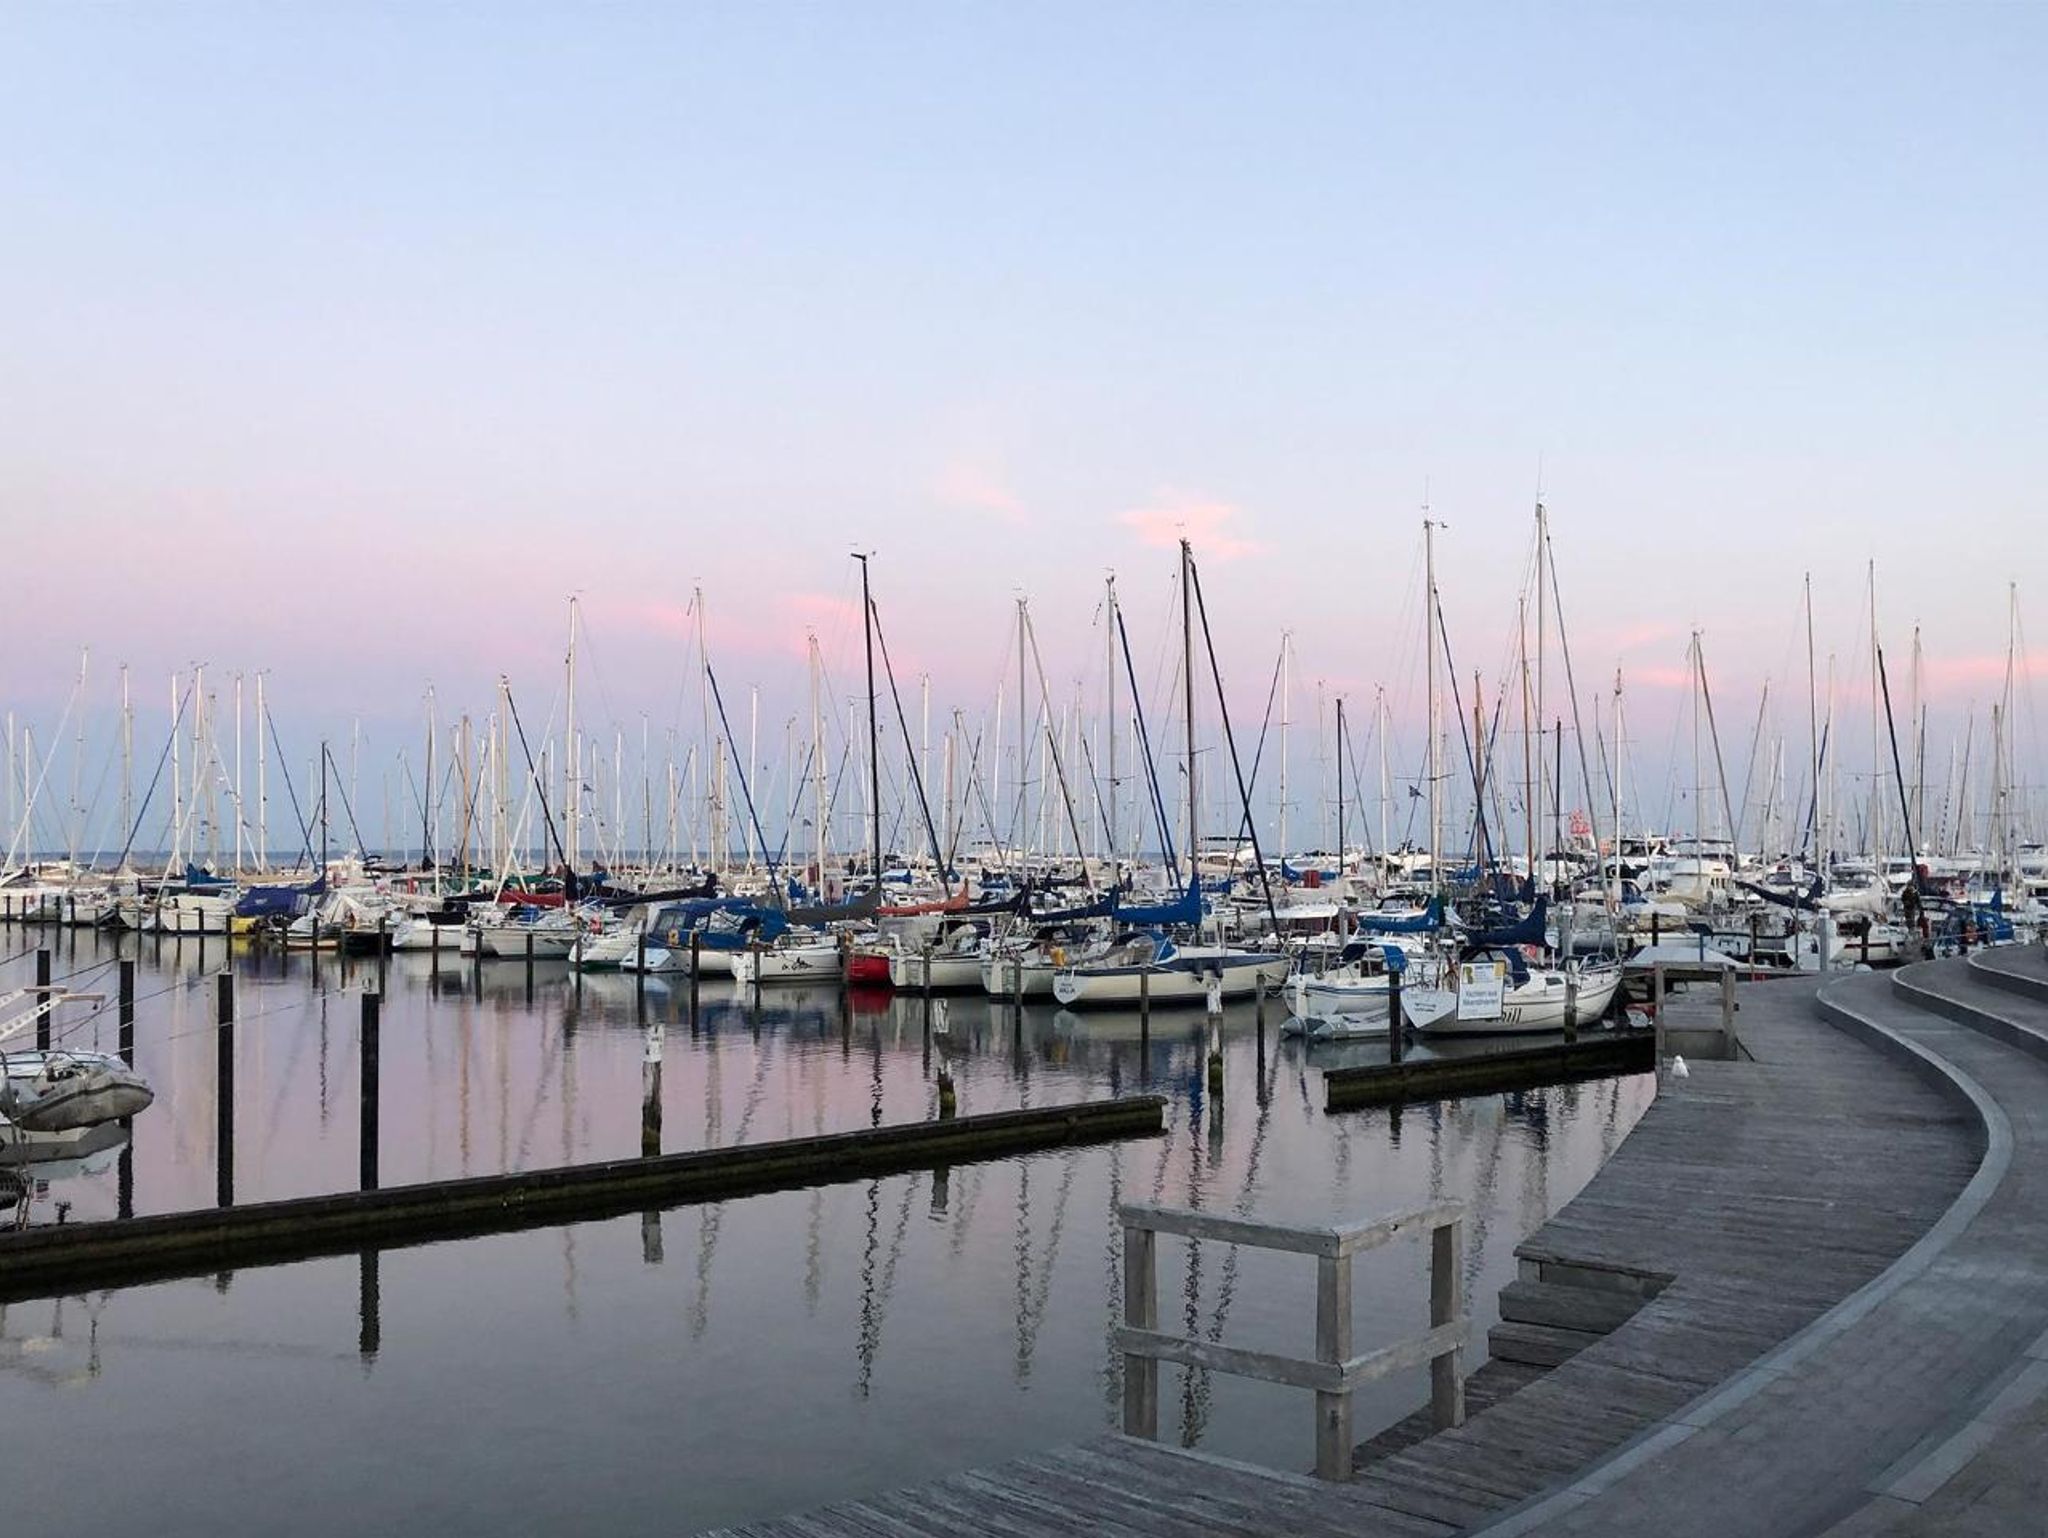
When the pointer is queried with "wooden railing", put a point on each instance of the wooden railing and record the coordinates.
(1334, 1372)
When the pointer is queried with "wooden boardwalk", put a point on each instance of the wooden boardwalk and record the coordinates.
(1832, 1271)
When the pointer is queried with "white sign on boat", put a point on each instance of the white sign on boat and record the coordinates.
(1481, 985)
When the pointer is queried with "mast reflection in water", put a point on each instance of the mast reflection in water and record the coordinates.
(714, 1363)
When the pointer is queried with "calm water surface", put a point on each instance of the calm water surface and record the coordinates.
(714, 1363)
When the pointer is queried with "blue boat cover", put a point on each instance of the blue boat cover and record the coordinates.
(1185, 909)
(1429, 918)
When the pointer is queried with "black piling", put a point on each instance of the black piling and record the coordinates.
(1397, 1026)
(124, 1008)
(43, 1000)
(369, 1305)
(696, 971)
(529, 966)
(368, 1092)
(224, 1089)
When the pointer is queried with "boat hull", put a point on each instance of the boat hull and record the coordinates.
(1184, 980)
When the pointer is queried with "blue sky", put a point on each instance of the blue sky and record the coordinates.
(347, 341)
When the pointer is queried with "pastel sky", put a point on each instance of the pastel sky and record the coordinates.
(347, 341)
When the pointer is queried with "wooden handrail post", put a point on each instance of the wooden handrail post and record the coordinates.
(1333, 1345)
(1447, 1306)
(1141, 1312)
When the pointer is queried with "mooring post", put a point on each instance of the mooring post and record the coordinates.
(1755, 936)
(1396, 1024)
(529, 963)
(1656, 927)
(1141, 1312)
(1447, 1307)
(1333, 1348)
(1145, 1007)
(696, 971)
(1214, 999)
(224, 1089)
(1728, 1007)
(125, 1009)
(1863, 944)
(949, 1103)
(367, 1042)
(369, 1306)
(434, 952)
(640, 973)
(43, 999)
(1657, 1003)
(927, 979)
(650, 1093)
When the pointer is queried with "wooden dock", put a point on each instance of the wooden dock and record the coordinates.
(37, 1261)
(1596, 1055)
(1809, 1294)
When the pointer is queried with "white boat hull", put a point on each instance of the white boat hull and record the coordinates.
(789, 964)
(1536, 1006)
(1186, 979)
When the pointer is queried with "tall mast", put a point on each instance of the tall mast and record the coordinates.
(1023, 740)
(427, 795)
(1542, 645)
(128, 757)
(1286, 689)
(1187, 640)
(1919, 729)
(817, 768)
(1876, 812)
(1109, 810)
(1340, 785)
(1429, 633)
(1386, 786)
(1813, 721)
(262, 789)
(1699, 787)
(1614, 886)
(924, 751)
(867, 622)
(572, 755)
(1528, 752)
(177, 781)
(77, 818)
(238, 770)
(753, 768)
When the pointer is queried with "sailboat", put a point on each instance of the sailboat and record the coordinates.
(1148, 964)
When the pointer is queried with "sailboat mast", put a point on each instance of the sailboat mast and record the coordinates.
(572, 758)
(427, 792)
(1429, 628)
(1340, 785)
(1813, 717)
(128, 756)
(1109, 646)
(1542, 640)
(1386, 785)
(1286, 688)
(1187, 638)
(867, 621)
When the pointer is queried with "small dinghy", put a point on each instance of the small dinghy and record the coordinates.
(45, 1092)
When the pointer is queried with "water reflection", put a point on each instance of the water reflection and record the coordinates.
(894, 1328)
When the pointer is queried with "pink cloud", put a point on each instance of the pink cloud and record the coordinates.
(1173, 516)
(974, 488)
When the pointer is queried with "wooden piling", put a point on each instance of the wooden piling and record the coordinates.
(43, 999)
(124, 1009)
(224, 1089)
(369, 1092)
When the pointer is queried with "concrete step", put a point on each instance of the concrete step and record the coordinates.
(1537, 1345)
(1564, 1307)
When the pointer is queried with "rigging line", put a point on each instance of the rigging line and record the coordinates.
(903, 722)
(1230, 741)
(1571, 684)
(283, 768)
(533, 774)
(732, 753)
(1480, 850)
(154, 780)
(1151, 770)
(361, 847)
(1059, 769)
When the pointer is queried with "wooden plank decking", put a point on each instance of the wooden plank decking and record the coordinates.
(1752, 1199)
